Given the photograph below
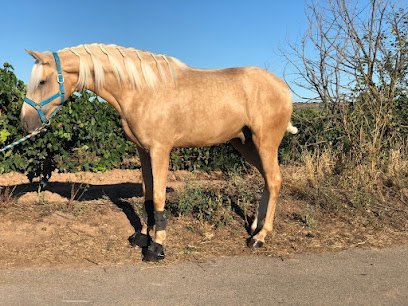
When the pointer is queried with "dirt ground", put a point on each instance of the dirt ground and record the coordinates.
(85, 219)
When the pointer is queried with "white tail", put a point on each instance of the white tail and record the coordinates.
(292, 129)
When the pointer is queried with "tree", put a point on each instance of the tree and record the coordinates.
(354, 58)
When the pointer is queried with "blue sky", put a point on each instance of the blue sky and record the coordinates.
(206, 34)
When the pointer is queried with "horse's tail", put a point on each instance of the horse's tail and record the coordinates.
(292, 129)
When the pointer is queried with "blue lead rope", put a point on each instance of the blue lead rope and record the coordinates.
(39, 105)
(43, 127)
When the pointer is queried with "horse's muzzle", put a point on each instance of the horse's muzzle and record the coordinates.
(30, 121)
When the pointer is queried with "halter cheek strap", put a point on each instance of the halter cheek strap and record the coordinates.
(39, 105)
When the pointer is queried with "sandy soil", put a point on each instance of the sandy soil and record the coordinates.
(86, 218)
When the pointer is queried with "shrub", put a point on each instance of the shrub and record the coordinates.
(12, 92)
(204, 204)
(86, 135)
(317, 132)
(222, 157)
(324, 186)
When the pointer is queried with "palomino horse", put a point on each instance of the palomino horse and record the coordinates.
(163, 104)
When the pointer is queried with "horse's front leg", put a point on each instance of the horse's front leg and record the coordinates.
(159, 157)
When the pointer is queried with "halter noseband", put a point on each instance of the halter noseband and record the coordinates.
(39, 105)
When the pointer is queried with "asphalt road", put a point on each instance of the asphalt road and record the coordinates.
(363, 277)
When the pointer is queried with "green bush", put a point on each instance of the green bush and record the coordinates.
(316, 133)
(222, 157)
(86, 135)
(12, 92)
(205, 204)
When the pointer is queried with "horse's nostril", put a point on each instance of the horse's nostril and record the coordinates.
(24, 125)
(29, 122)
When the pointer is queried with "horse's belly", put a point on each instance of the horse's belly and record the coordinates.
(207, 132)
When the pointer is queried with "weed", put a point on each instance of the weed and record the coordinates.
(41, 199)
(74, 208)
(204, 204)
(396, 172)
(77, 191)
(6, 196)
(244, 191)
(309, 217)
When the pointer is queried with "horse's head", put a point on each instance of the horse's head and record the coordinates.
(46, 90)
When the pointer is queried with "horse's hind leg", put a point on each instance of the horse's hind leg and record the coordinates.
(249, 151)
(267, 147)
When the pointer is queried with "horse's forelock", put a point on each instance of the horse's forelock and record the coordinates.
(36, 75)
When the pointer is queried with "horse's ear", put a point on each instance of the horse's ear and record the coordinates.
(40, 57)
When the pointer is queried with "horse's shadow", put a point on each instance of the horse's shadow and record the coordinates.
(116, 193)
(73, 191)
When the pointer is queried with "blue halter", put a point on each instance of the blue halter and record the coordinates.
(39, 105)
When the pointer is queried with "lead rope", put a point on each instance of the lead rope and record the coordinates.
(37, 131)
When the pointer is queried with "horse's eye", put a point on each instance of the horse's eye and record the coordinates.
(42, 82)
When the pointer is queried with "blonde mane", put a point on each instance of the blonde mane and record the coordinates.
(138, 68)
(36, 76)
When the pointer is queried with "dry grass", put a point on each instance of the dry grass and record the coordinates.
(362, 195)
(325, 179)
(320, 209)
(6, 196)
(396, 176)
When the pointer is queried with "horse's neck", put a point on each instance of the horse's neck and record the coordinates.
(117, 91)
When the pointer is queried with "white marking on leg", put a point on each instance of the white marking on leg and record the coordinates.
(254, 225)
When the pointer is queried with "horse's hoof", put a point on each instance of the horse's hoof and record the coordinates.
(255, 244)
(154, 252)
(139, 240)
